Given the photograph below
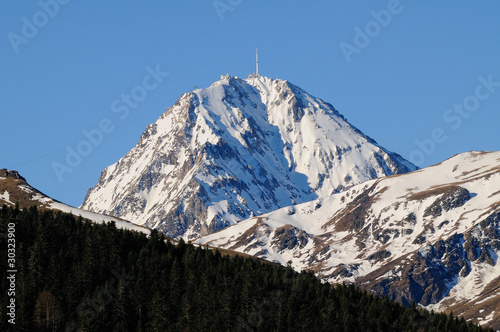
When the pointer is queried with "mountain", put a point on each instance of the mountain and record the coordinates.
(14, 189)
(431, 236)
(234, 150)
(72, 275)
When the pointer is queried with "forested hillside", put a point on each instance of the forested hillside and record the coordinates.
(71, 274)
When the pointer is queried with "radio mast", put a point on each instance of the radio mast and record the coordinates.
(256, 62)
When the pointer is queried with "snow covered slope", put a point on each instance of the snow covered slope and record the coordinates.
(234, 150)
(431, 236)
(15, 189)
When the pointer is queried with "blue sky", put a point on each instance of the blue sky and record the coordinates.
(420, 77)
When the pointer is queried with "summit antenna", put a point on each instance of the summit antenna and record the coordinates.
(256, 62)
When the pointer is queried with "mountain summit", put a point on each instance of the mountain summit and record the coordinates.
(236, 149)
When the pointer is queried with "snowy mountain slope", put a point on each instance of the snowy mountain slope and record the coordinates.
(234, 150)
(15, 189)
(431, 236)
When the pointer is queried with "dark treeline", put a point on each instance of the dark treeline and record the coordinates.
(75, 275)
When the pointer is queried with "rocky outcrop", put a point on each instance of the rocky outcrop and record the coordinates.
(288, 237)
(11, 174)
(428, 274)
(14, 189)
(451, 198)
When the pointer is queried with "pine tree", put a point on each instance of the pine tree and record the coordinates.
(48, 311)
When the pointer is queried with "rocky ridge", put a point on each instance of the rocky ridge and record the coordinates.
(430, 236)
(15, 190)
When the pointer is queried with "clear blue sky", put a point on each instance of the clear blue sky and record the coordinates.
(394, 70)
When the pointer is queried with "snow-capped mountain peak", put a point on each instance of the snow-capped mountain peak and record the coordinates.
(238, 148)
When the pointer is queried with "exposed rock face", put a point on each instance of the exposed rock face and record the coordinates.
(15, 189)
(234, 150)
(352, 218)
(11, 174)
(453, 197)
(428, 275)
(289, 237)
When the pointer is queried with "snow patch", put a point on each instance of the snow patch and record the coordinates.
(6, 197)
(98, 218)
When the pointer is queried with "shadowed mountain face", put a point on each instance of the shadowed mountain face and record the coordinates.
(234, 150)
